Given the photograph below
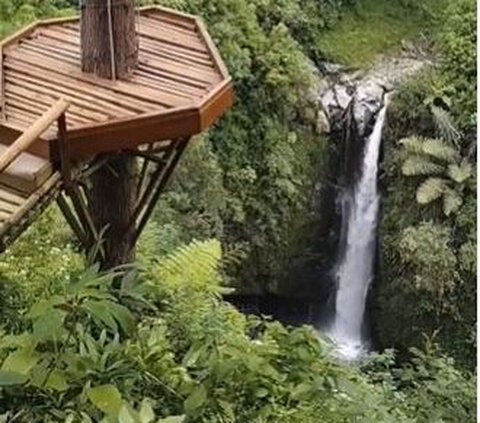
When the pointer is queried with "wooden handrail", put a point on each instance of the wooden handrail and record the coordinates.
(33, 133)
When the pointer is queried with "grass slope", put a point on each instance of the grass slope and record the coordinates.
(377, 27)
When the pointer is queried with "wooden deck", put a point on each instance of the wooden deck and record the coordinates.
(180, 88)
(54, 117)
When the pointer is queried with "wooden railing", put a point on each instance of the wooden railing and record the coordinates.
(56, 112)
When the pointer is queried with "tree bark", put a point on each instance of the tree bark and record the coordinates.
(113, 190)
(111, 202)
(98, 37)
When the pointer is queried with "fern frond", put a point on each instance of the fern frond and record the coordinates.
(460, 173)
(440, 150)
(445, 125)
(418, 165)
(413, 144)
(430, 190)
(452, 201)
(196, 264)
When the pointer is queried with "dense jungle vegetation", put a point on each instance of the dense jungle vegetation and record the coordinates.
(164, 347)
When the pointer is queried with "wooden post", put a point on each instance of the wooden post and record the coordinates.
(108, 26)
(108, 31)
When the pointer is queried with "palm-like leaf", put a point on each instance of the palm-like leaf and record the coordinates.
(460, 173)
(445, 126)
(430, 190)
(420, 165)
(452, 201)
(440, 150)
(412, 144)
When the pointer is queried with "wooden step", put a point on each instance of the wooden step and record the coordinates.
(27, 173)
(10, 202)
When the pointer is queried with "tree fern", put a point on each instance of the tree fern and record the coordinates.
(445, 126)
(194, 264)
(430, 190)
(440, 150)
(420, 165)
(413, 144)
(452, 201)
(460, 173)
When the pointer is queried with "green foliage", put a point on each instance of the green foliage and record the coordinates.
(15, 13)
(377, 27)
(165, 347)
(434, 162)
(193, 358)
(249, 181)
(37, 264)
(458, 43)
(453, 175)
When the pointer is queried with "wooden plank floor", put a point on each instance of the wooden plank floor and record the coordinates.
(176, 69)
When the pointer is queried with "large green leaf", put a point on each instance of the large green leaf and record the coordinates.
(8, 378)
(127, 415)
(196, 400)
(420, 165)
(21, 361)
(106, 398)
(431, 190)
(100, 311)
(57, 381)
(49, 326)
(43, 306)
(122, 315)
(146, 413)
(172, 419)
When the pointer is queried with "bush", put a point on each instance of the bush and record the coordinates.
(180, 354)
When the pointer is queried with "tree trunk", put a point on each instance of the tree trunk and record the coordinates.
(99, 35)
(111, 202)
(113, 192)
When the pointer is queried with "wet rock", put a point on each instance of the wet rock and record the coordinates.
(323, 124)
(343, 95)
(339, 87)
(367, 101)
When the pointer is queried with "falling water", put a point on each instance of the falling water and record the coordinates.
(355, 270)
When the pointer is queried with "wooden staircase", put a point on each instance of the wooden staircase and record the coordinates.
(28, 183)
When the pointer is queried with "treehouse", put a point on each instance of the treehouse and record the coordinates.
(59, 124)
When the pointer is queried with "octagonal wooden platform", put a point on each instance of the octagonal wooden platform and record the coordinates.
(54, 117)
(180, 88)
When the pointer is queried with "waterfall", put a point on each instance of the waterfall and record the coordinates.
(355, 266)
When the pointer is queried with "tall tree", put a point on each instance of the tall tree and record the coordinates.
(109, 47)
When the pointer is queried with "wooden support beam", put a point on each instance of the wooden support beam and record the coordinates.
(32, 134)
(30, 203)
(93, 167)
(83, 214)
(155, 178)
(63, 151)
(147, 156)
(3, 114)
(177, 153)
(72, 220)
(143, 173)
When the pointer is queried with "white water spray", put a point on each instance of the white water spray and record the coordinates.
(355, 271)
